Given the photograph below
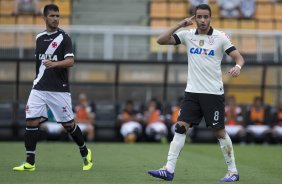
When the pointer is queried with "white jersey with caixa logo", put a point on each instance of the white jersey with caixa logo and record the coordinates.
(205, 53)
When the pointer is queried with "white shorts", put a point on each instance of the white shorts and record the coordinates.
(129, 127)
(58, 102)
(278, 129)
(232, 130)
(157, 127)
(258, 130)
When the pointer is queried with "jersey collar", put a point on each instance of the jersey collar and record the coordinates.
(209, 32)
(51, 33)
(54, 32)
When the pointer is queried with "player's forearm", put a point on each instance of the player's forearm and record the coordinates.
(237, 58)
(164, 37)
(66, 63)
(240, 61)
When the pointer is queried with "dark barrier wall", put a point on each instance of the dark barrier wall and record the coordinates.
(113, 82)
(117, 81)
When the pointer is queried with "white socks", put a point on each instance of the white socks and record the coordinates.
(175, 147)
(228, 153)
(178, 142)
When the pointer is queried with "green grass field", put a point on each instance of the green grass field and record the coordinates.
(128, 164)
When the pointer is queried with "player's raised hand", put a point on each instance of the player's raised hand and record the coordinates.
(234, 72)
(187, 22)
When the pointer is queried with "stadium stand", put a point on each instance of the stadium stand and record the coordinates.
(8, 40)
(25, 19)
(39, 21)
(7, 7)
(158, 9)
(267, 17)
(277, 11)
(118, 12)
(278, 25)
(266, 11)
(65, 7)
(8, 14)
(177, 9)
(9, 20)
(248, 24)
(42, 3)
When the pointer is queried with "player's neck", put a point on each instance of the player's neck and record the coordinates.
(51, 30)
(204, 32)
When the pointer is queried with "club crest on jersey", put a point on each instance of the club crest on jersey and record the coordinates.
(50, 57)
(201, 42)
(207, 52)
(54, 44)
(211, 40)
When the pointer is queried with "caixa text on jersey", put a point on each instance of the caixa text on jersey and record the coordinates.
(48, 57)
(208, 52)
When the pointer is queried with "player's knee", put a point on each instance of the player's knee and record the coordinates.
(220, 133)
(181, 129)
(33, 123)
(69, 126)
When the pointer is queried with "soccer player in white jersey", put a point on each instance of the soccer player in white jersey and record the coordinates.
(204, 94)
(54, 55)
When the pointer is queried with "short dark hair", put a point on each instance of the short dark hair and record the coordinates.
(203, 7)
(48, 8)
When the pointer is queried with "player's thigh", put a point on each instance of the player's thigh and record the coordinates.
(36, 105)
(60, 105)
(213, 108)
(190, 110)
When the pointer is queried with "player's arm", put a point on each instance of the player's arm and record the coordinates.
(68, 56)
(66, 63)
(166, 37)
(237, 57)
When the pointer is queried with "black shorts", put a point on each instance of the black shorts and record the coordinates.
(195, 106)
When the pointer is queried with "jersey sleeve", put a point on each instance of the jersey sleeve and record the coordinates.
(227, 44)
(68, 50)
(180, 37)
